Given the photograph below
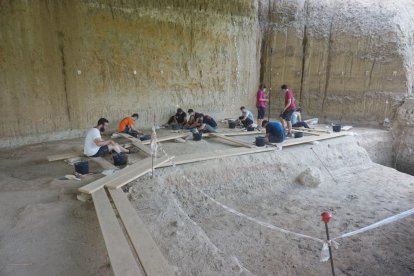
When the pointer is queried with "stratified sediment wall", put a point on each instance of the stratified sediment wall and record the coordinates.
(65, 64)
(347, 61)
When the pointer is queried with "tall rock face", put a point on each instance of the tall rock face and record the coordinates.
(347, 61)
(65, 64)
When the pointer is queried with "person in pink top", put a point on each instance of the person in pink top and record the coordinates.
(261, 103)
(290, 107)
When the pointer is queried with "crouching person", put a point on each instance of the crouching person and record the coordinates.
(95, 146)
(208, 124)
(275, 132)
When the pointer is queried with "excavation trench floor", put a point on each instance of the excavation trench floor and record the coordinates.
(45, 230)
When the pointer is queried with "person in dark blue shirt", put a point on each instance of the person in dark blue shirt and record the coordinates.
(275, 132)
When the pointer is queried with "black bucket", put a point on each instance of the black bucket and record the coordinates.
(82, 167)
(298, 134)
(232, 124)
(250, 128)
(145, 137)
(119, 158)
(175, 126)
(336, 128)
(260, 141)
(197, 136)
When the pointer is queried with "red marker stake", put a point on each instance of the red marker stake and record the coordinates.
(326, 217)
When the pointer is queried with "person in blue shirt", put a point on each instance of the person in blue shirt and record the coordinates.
(275, 132)
(296, 119)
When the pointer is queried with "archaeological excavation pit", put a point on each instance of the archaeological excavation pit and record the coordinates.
(191, 201)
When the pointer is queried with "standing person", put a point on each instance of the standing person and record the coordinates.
(261, 103)
(289, 108)
(95, 146)
(275, 132)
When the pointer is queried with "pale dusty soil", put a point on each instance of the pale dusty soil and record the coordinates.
(44, 230)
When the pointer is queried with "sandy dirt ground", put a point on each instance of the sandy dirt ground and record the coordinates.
(45, 230)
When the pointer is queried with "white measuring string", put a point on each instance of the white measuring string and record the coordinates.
(324, 251)
(377, 224)
(262, 223)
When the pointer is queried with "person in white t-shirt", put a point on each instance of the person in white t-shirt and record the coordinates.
(95, 146)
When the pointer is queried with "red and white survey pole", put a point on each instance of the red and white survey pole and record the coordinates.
(326, 217)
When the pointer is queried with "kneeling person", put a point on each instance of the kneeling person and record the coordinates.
(95, 146)
(127, 125)
(275, 132)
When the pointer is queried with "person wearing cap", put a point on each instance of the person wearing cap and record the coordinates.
(127, 125)
(180, 118)
(290, 107)
(275, 132)
(247, 118)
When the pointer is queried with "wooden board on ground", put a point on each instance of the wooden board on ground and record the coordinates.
(122, 260)
(140, 168)
(196, 157)
(136, 142)
(148, 252)
(167, 138)
(105, 164)
(315, 130)
(235, 141)
(298, 141)
(64, 156)
(306, 131)
(240, 133)
(124, 176)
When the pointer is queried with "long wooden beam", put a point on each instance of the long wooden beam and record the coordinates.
(120, 255)
(307, 132)
(124, 176)
(208, 155)
(150, 257)
(136, 142)
(298, 141)
(167, 138)
(63, 156)
(235, 141)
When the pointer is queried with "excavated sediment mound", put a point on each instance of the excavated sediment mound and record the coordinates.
(199, 237)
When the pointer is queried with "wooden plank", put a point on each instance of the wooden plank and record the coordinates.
(122, 260)
(143, 167)
(298, 141)
(306, 131)
(235, 141)
(148, 252)
(63, 156)
(240, 133)
(124, 176)
(136, 142)
(196, 157)
(315, 130)
(167, 138)
(105, 164)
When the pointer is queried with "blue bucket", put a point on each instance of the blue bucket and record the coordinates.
(82, 167)
(260, 141)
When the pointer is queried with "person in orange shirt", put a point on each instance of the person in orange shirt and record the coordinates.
(127, 125)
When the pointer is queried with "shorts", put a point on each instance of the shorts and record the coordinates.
(102, 151)
(261, 112)
(287, 114)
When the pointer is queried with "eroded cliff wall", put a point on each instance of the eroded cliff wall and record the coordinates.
(348, 61)
(65, 64)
